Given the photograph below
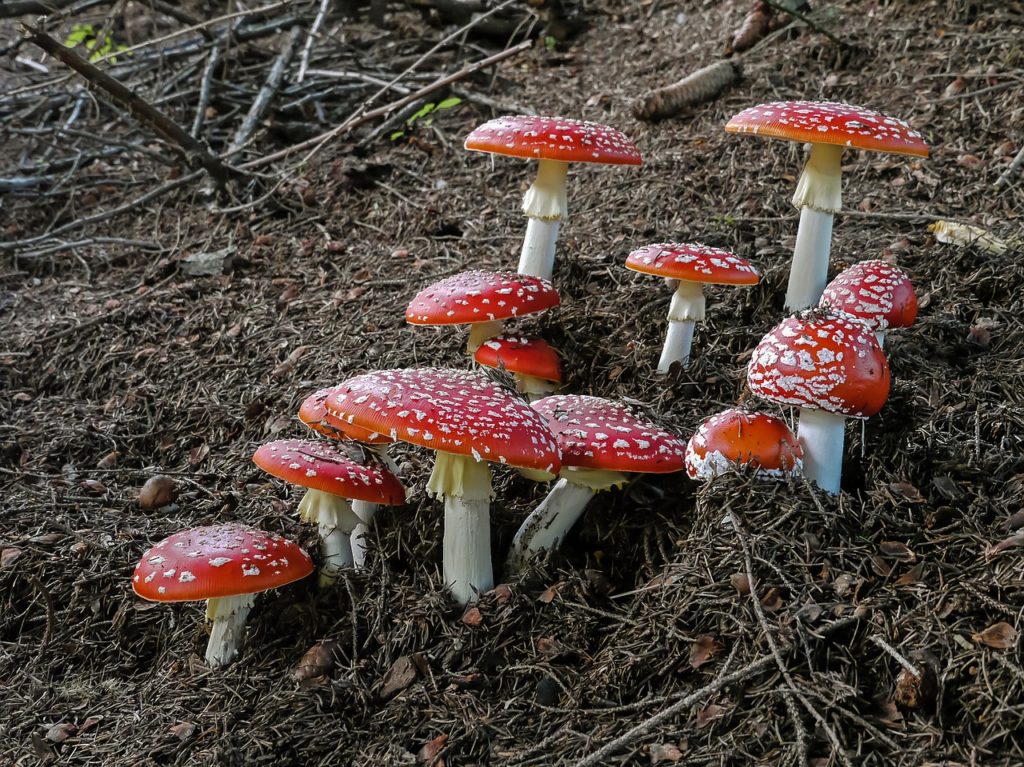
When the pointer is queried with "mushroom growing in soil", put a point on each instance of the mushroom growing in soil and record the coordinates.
(829, 127)
(531, 361)
(331, 478)
(693, 265)
(224, 565)
(314, 415)
(832, 368)
(482, 300)
(554, 142)
(875, 292)
(734, 440)
(469, 420)
(602, 443)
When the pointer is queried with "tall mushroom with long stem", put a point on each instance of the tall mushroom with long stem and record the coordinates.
(832, 368)
(226, 565)
(829, 127)
(876, 293)
(554, 142)
(602, 444)
(469, 421)
(692, 266)
(482, 300)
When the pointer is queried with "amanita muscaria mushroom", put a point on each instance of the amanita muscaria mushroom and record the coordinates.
(602, 443)
(554, 142)
(314, 415)
(737, 440)
(224, 565)
(470, 421)
(693, 265)
(332, 478)
(875, 292)
(535, 366)
(829, 127)
(832, 368)
(482, 300)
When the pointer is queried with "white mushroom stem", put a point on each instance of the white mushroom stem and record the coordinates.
(533, 388)
(366, 511)
(550, 522)
(821, 435)
(465, 485)
(686, 309)
(227, 616)
(335, 519)
(546, 206)
(819, 196)
(482, 331)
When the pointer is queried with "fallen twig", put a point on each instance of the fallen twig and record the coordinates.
(806, 20)
(321, 14)
(1011, 170)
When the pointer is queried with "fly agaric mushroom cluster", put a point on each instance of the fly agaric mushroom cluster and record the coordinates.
(826, 361)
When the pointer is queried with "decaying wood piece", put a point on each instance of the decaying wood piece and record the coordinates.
(703, 85)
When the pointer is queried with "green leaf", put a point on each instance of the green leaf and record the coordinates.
(448, 103)
(397, 135)
(423, 111)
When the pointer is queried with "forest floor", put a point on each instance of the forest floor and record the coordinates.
(873, 634)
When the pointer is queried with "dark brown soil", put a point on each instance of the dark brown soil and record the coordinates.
(116, 366)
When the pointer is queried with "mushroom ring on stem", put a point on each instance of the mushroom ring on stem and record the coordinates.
(535, 366)
(829, 127)
(876, 293)
(224, 565)
(734, 440)
(332, 479)
(554, 142)
(832, 368)
(602, 443)
(482, 300)
(469, 421)
(693, 265)
(314, 414)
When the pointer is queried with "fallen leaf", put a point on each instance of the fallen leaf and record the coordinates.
(286, 367)
(401, 674)
(955, 88)
(741, 583)
(472, 616)
(911, 576)
(157, 492)
(665, 752)
(907, 491)
(897, 551)
(109, 461)
(1014, 541)
(970, 161)
(8, 556)
(182, 730)
(93, 486)
(430, 753)
(198, 454)
(1001, 636)
(548, 646)
(289, 294)
(979, 335)
(947, 487)
(316, 662)
(58, 733)
(709, 714)
(702, 649)
(549, 594)
(502, 593)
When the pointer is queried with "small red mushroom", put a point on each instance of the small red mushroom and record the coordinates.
(224, 565)
(482, 300)
(554, 142)
(829, 127)
(736, 439)
(875, 292)
(535, 366)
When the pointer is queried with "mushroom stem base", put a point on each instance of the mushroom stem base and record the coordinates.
(467, 547)
(538, 256)
(678, 340)
(227, 615)
(336, 549)
(821, 435)
(366, 511)
(548, 524)
(808, 274)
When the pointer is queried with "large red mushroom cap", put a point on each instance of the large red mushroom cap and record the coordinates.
(553, 138)
(736, 438)
(524, 356)
(828, 122)
(596, 433)
(321, 466)
(219, 561)
(454, 411)
(314, 415)
(693, 262)
(472, 297)
(821, 362)
(874, 292)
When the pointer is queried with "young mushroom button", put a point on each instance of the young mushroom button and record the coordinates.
(470, 421)
(693, 265)
(829, 127)
(734, 440)
(832, 368)
(554, 142)
(224, 565)
(875, 292)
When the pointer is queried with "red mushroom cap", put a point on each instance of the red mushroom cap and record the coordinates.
(694, 263)
(219, 561)
(596, 433)
(821, 362)
(525, 356)
(829, 122)
(553, 138)
(874, 292)
(737, 438)
(314, 415)
(451, 410)
(321, 466)
(472, 297)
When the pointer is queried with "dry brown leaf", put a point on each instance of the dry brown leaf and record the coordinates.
(401, 674)
(93, 486)
(549, 594)
(109, 461)
(58, 733)
(8, 556)
(665, 752)
(907, 491)
(182, 730)
(709, 714)
(1001, 636)
(157, 492)
(316, 662)
(911, 576)
(1013, 542)
(501, 593)
(289, 363)
(430, 753)
(472, 616)
(548, 646)
(772, 600)
(741, 583)
(702, 649)
(897, 551)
